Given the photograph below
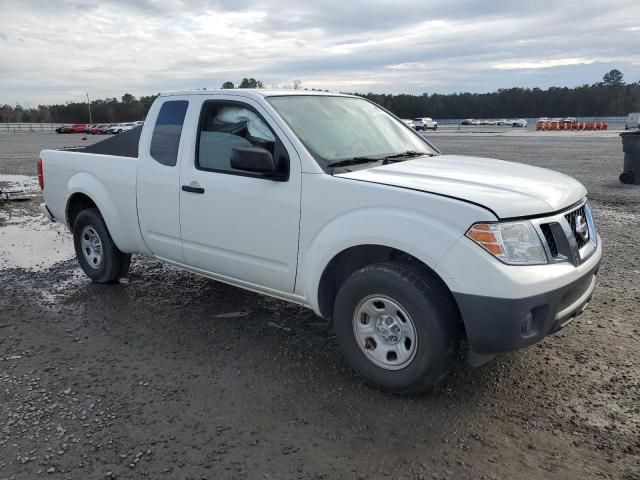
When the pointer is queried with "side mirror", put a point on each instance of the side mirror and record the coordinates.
(252, 159)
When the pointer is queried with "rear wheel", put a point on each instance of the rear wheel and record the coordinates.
(397, 327)
(97, 255)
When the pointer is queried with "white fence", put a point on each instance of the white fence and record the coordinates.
(29, 127)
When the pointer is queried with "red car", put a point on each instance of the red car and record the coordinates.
(95, 129)
(77, 128)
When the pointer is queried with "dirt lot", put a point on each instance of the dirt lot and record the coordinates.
(169, 375)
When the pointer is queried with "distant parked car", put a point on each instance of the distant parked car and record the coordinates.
(124, 127)
(504, 122)
(544, 119)
(106, 128)
(425, 123)
(570, 119)
(409, 123)
(96, 129)
(76, 128)
(521, 122)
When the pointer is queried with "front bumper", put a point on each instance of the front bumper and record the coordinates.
(496, 325)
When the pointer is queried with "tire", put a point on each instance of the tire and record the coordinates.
(97, 255)
(410, 299)
(435, 127)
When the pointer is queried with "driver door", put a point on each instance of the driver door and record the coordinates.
(234, 224)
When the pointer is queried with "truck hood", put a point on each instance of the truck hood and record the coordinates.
(508, 189)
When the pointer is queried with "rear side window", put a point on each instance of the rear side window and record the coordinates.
(166, 134)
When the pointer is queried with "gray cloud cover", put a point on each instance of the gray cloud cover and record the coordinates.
(54, 51)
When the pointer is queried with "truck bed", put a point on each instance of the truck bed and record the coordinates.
(122, 145)
(105, 173)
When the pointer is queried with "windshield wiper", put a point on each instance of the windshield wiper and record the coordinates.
(395, 157)
(353, 161)
(407, 154)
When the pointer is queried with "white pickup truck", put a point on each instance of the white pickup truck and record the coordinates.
(407, 250)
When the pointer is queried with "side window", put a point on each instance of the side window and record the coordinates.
(225, 126)
(166, 133)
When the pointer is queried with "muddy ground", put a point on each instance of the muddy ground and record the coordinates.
(169, 375)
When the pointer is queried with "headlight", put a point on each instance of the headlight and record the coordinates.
(514, 243)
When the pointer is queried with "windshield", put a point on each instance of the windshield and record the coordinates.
(341, 128)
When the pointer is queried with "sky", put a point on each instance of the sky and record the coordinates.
(53, 51)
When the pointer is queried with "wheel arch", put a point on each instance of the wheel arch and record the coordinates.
(75, 204)
(377, 234)
(351, 259)
(86, 191)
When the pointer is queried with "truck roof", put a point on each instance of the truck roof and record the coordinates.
(254, 92)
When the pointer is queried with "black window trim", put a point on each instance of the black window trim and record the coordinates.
(282, 177)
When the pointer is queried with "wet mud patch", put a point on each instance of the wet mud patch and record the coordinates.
(32, 242)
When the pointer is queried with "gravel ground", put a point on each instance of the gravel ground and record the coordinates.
(169, 375)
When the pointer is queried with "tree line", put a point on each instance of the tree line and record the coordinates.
(108, 110)
(610, 97)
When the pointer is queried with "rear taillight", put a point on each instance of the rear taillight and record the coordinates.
(40, 175)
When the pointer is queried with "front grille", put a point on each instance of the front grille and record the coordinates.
(551, 242)
(580, 216)
(568, 237)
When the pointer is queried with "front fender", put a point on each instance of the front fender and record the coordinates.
(423, 237)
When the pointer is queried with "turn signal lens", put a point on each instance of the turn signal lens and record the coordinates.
(481, 234)
(514, 243)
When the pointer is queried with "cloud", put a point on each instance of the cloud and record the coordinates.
(111, 47)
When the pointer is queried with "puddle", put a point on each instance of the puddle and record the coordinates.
(34, 243)
(22, 183)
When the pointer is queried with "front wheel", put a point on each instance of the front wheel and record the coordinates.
(98, 256)
(435, 127)
(397, 326)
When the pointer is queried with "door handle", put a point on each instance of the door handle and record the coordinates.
(190, 189)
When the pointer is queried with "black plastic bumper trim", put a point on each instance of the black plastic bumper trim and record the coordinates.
(497, 325)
